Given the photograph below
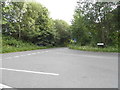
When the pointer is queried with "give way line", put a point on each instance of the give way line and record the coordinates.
(4, 86)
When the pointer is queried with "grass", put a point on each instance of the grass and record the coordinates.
(0, 43)
(96, 49)
(10, 44)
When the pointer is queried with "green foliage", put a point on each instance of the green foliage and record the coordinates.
(0, 44)
(62, 32)
(10, 44)
(30, 21)
(96, 49)
(95, 23)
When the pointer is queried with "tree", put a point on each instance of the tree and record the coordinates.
(28, 21)
(12, 13)
(62, 35)
(92, 23)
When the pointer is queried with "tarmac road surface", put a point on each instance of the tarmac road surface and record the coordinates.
(60, 68)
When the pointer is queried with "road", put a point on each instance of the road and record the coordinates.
(60, 68)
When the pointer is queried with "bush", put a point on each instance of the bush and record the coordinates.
(11, 44)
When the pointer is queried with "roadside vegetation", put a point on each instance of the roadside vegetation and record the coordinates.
(10, 44)
(28, 26)
(96, 49)
(96, 23)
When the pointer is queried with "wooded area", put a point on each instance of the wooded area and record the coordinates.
(30, 22)
(92, 23)
(95, 23)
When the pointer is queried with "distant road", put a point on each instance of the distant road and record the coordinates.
(60, 68)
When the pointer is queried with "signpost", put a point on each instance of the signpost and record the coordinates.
(100, 45)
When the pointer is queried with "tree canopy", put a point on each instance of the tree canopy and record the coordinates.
(30, 21)
(92, 23)
(96, 22)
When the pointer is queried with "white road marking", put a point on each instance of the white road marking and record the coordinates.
(22, 55)
(4, 86)
(16, 56)
(8, 58)
(35, 72)
(28, 54)
(25, 55)
(34, 53)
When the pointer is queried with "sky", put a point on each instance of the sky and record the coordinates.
(60, 9)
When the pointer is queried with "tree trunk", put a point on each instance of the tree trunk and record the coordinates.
(19, 34)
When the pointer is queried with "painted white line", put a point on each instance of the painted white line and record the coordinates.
(4, 86)
(34, 53)
(22, 55)
(45, 73)
(16, 56)
(8, 58)
(28, 54)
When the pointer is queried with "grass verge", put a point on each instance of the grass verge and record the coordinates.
(96, 49)
(10, 44)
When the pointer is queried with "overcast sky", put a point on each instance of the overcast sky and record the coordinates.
(60, 9)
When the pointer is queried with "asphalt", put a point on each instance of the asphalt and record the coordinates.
(60, 68)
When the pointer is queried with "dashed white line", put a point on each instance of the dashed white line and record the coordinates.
(8, 58)
(16, 56)
(34, 72)
(25, 55)
(22, 55)
(28, 54)
(33, 53)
